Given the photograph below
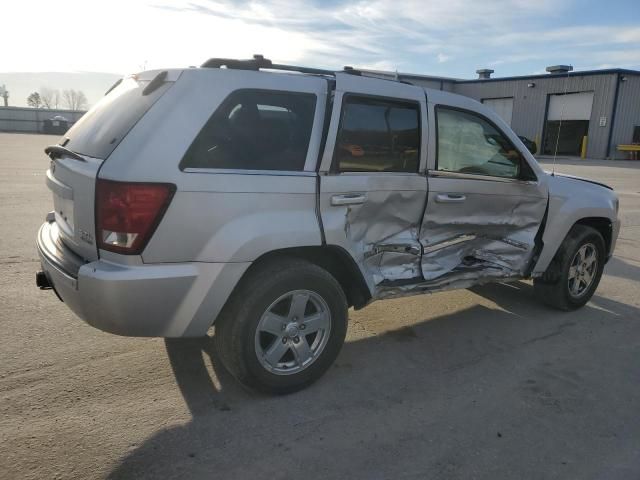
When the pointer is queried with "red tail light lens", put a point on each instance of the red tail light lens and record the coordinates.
(127, 214)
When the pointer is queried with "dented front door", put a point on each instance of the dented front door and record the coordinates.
(478, 229)
(485, 205)
(372, 178)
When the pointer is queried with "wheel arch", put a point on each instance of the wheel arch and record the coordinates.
(336, 260)
(602, 225)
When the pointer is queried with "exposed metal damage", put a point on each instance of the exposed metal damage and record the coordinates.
(388, 247)
(444, 251)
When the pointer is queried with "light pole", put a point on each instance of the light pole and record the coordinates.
(5, 95)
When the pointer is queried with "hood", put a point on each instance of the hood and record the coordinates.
(573, 177)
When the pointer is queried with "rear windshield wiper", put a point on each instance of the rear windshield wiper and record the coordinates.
(57, 151)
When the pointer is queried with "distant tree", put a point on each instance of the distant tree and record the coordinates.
(34, 100)
(75, 99)
(50, 98)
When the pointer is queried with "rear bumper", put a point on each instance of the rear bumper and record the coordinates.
(158, 300)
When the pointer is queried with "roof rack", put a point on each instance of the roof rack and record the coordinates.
(258, 62)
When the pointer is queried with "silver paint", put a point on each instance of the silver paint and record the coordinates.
(403, 240)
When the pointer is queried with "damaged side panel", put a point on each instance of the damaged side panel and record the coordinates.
(486, 234)
(378, 223)
(489, 234)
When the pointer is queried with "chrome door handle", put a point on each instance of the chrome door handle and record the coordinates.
(348, 199)
(450, 198)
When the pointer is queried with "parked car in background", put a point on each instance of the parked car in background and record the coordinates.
(266, 203)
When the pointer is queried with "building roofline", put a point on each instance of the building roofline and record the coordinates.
(410, 75)
(580, 73)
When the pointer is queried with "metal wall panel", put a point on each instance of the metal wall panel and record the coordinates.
(530, 103)
(627, 114)
(433, 83)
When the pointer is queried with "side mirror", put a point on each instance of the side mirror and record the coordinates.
(531, 145)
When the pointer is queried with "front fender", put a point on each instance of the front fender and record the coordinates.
(571, 200)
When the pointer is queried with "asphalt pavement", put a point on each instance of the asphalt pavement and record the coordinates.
(483, 383)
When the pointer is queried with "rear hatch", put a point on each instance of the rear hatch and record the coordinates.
(76, 160)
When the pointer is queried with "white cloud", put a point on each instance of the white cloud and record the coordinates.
(414, 35)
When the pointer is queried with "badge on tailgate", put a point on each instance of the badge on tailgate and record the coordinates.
(86, 237)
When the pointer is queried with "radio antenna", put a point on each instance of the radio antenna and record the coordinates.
(564, 99)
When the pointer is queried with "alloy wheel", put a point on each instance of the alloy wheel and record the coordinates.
(582, 270)
(293, 332)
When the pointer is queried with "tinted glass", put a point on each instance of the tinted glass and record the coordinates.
(378, 136)
(101, 129)
(255, 130)
(469, 144)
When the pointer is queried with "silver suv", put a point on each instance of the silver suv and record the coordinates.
(267, 199)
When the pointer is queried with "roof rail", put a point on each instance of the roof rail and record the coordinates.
(351, 71)
(258, 62)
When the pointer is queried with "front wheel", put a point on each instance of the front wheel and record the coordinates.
(574, 273)
(283, 327)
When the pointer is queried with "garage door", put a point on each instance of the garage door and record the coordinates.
(567, 123)
(502, 106)
(572, 106)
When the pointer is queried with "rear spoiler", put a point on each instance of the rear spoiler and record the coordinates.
(56, 151)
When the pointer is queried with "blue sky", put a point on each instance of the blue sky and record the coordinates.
(449, 38)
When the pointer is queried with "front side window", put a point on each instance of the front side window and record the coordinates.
(255, 130)
(467, 143)
(378, 135)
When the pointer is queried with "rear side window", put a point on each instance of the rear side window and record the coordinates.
(255, 130)
(378, 135)
(102, 128)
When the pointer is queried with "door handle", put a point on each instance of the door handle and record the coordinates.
(450, 198)
(348, 199)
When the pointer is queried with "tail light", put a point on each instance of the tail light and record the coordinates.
(127, 213)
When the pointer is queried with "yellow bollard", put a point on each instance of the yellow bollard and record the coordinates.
(537, 142)
(583, 148)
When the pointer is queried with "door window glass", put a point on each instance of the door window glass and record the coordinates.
(378, 136)
(255, 130)
(467, 143)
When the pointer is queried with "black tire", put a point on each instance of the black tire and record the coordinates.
(235, 328)
(553, 287)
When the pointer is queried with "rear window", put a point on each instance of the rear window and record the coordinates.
(255, 130)
(102, 128)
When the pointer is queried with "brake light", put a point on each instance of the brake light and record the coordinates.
(127, 213)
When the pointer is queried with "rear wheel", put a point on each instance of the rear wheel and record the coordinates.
(575, 271)
(283, 327)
